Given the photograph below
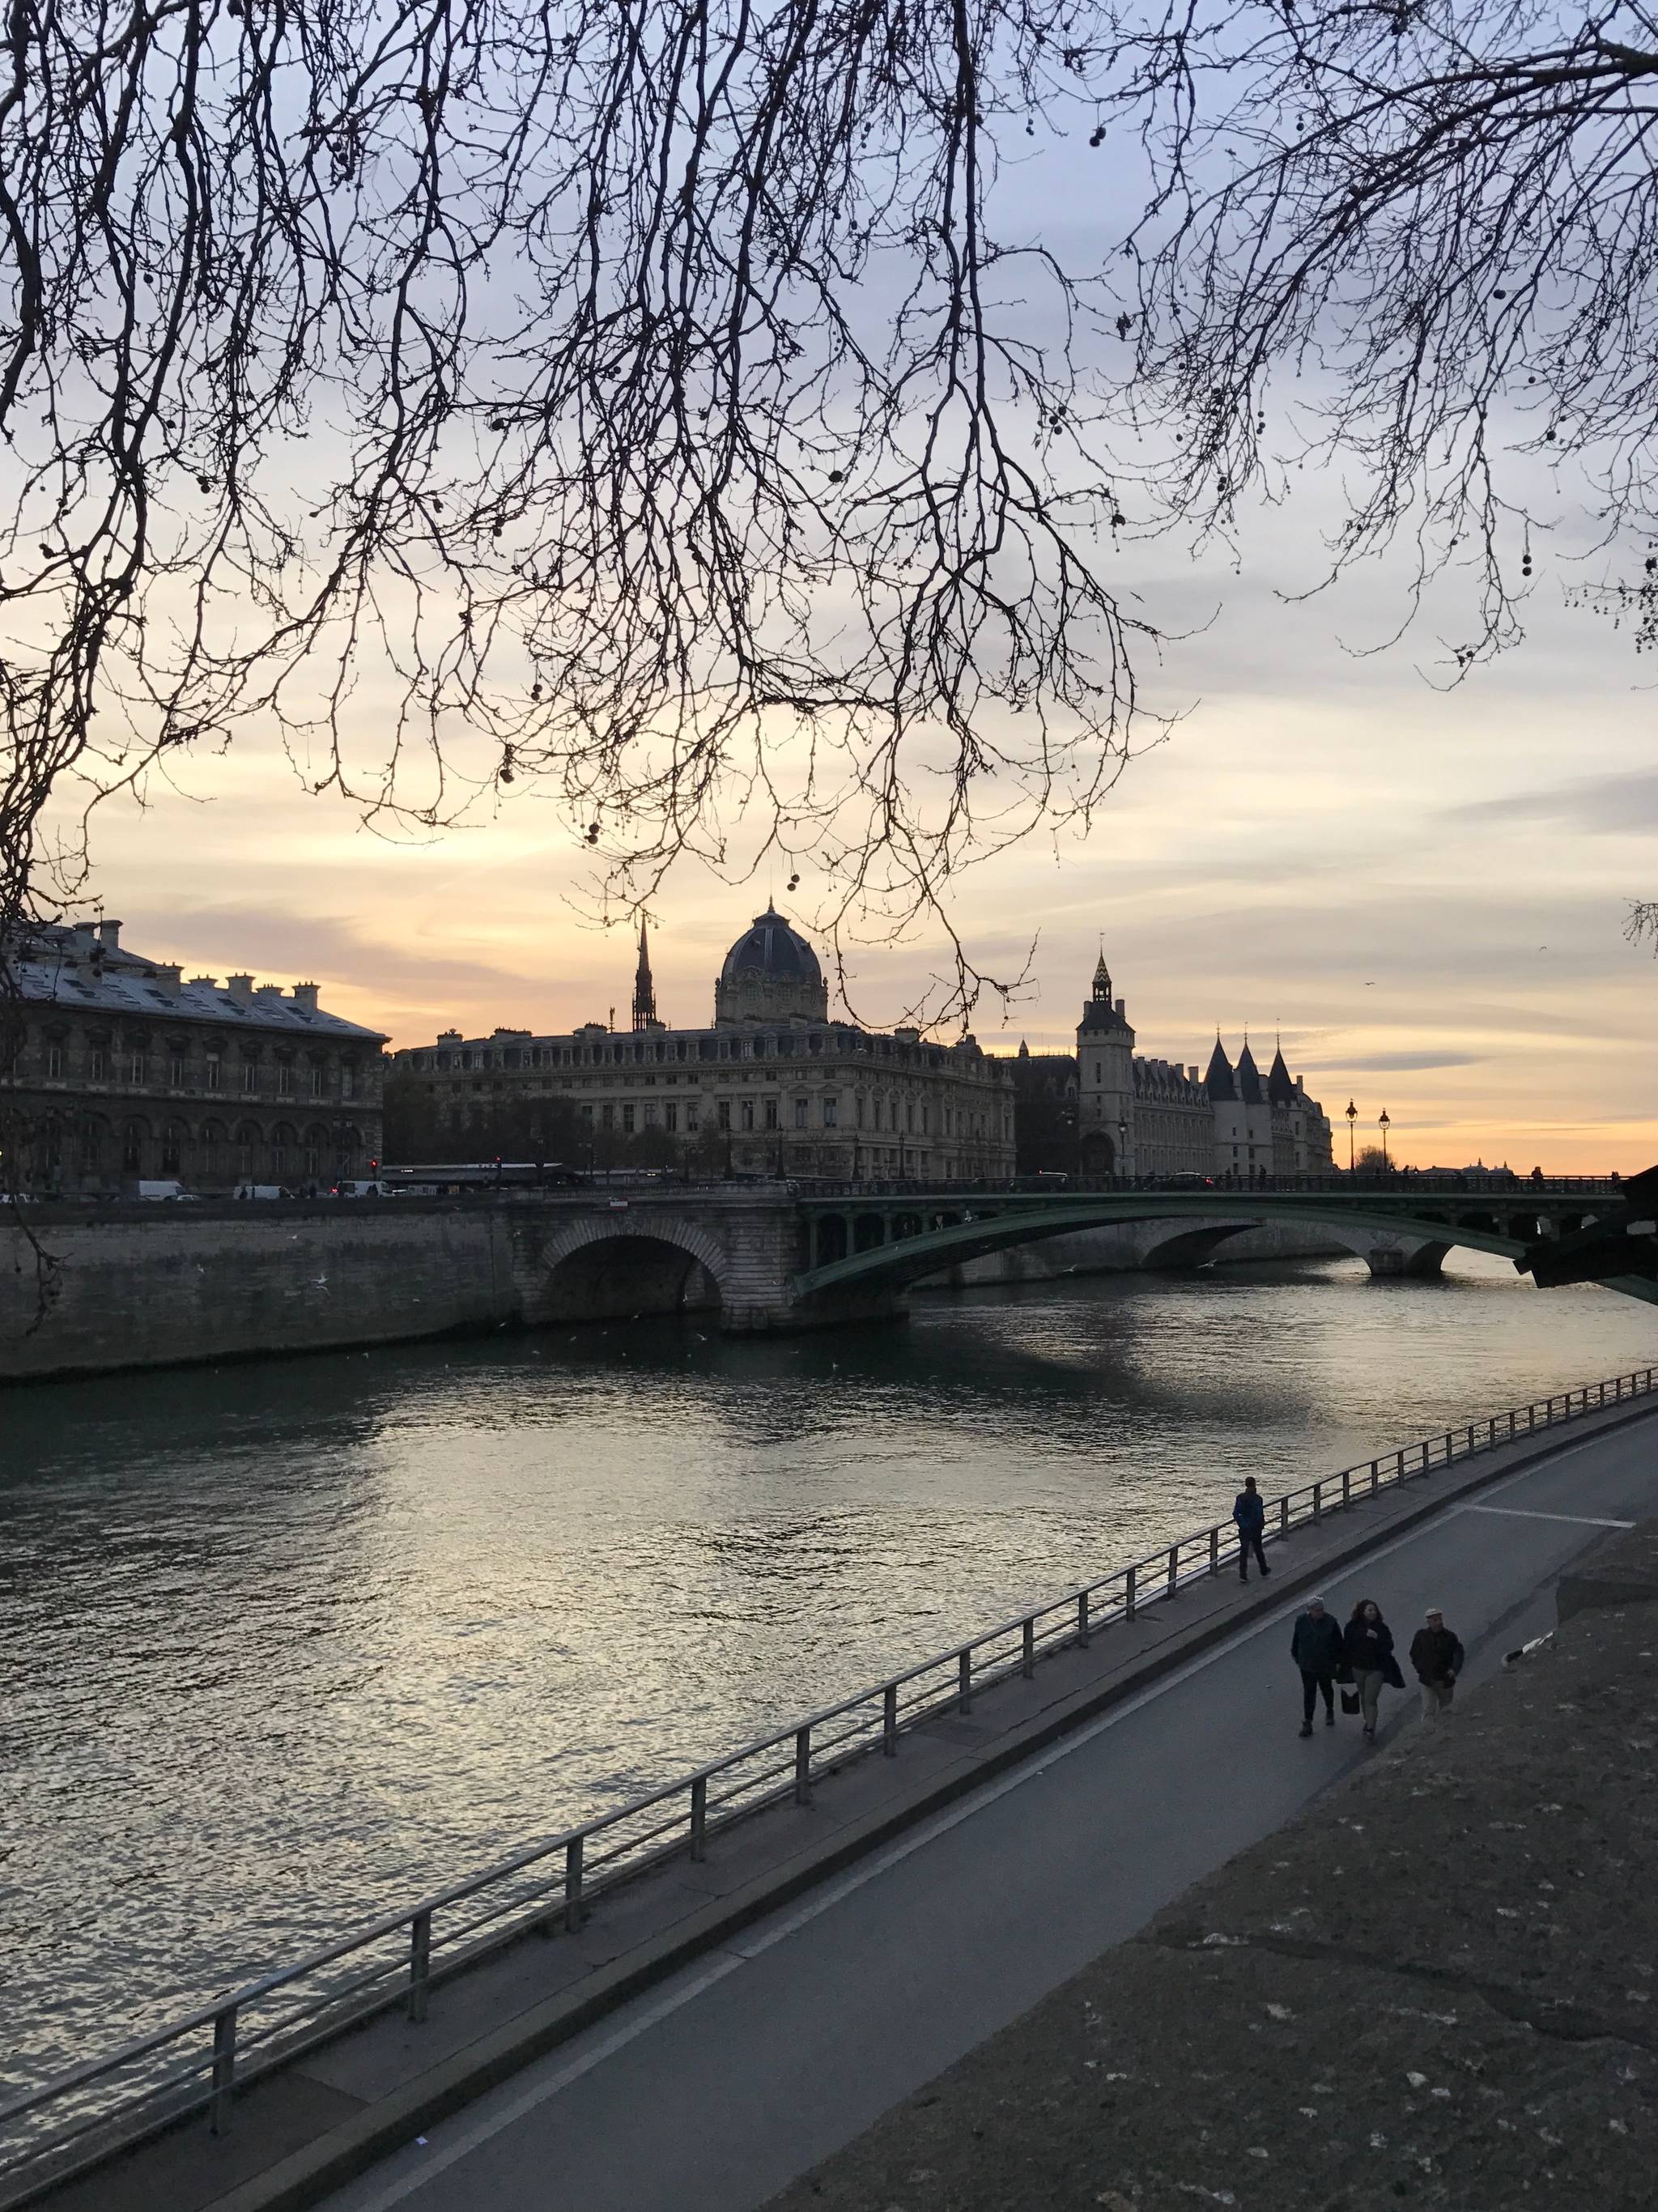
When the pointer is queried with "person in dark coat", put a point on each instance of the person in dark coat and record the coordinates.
(1367, 1644)
(1317, 1648)
(1249, 1512)
(1437, 1656)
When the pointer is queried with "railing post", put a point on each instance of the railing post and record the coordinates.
(1376, 1476)
(1471, 1440)
(1399, 1471)
(1601, 1400)
(1027, 1647)
(1174, 1569)
(889, 1721)
(1283, 1515)
(1346, 1485)
(964, 1682)
(1128, 1595)
(224, 2069)
(420, 1963)
(574, 1915)
(1317, 1502)
(699, 1818)
(803, 1766)
(1214, 1551)
(1449, 1448)
(1084, 1631)
(1511, 1422)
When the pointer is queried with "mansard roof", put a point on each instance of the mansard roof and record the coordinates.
(58, 965)
(1219, 1079)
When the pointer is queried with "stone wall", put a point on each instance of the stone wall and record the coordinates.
(149, 1286)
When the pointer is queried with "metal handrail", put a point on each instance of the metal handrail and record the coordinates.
(1056, 1624)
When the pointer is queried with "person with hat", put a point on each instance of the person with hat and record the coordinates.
(1316, 1649)
(1437, 1657)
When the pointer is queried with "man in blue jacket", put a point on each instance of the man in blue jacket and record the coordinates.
(1315, 1647)
(1249, 1512)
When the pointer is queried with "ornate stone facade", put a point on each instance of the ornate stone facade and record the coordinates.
(773, 1086)
(119, 1071)
(1127, 1114)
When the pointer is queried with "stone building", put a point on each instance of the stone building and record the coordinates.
(1111, 1111)
(118, 1070)
(772, 1086)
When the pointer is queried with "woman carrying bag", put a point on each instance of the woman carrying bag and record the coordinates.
(1367, 1646)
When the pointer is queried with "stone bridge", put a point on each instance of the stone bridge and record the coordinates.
(770, 1256)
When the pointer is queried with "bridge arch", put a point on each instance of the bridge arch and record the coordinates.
(615, 1268)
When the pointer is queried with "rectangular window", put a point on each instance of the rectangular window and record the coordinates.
(285, 1080)
(748, 1114)
(135, 1067)
(54, 1060)
(607, 1115)
(586, 1109)
(799, 1112)
(861, 1109)
(671, 1117)
(348, 1081)
(250, 1075)
(627, 1119)
(692, 1117)
(723, 1112)
(771, 1113)
(316, 1082)
(95, 1064)
(175, 1071)
(650, 1113)
(831, 1110)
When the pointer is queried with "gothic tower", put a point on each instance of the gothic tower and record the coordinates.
(1105, 1081)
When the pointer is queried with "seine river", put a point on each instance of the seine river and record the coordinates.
(289, 1642)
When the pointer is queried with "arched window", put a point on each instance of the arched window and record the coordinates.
(210, 1150)
(172, 1149)
(247, 1146)
(283, 1146)
(316, 1145)
(134, 1138)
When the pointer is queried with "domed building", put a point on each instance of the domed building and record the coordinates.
(770, 973)
(773, 1087)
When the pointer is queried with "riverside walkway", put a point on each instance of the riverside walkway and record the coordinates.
(932, 1897)
(716, 2091)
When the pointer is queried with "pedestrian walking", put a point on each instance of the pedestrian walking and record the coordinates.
(1437, 1656)
(1367, 1645)
(1249, 1512)
(1318, 1649)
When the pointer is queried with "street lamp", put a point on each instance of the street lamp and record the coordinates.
(1384, 1125)
(1352, 1116)
(1122, 1147)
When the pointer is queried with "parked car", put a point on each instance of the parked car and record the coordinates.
(167, 1189)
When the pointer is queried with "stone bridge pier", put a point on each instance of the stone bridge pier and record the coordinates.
(732, 1254)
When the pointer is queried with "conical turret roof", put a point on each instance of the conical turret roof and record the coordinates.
(1280, 1084)
(1219, 1081)
(1249, 1077)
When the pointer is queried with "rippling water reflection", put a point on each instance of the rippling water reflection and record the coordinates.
(292, 1642)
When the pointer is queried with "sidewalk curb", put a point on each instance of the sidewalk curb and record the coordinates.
(305, 2176)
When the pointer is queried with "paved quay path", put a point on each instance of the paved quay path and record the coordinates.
(723, 2085)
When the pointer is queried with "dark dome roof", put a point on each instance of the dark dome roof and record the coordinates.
(772, 949)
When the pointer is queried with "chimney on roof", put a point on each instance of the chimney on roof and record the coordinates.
(269, 991)
(305, 997)
(211, 981)
(241, 989)
(1193, 1074)
(86, 936)
(169, 975)
(109, 935)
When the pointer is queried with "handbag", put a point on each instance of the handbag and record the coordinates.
(1349, 1701)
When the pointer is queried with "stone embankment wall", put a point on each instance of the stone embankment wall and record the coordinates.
(149, 1286)
(1435, 1988)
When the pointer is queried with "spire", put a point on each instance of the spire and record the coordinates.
(1218, 1080)
(1102, 977)
(643, 989)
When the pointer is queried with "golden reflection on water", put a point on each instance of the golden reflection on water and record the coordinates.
(295, 1640)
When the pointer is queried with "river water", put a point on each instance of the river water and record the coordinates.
(292, 1642)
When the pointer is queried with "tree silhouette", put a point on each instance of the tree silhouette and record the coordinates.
(634, 396)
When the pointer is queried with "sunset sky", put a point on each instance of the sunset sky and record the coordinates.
(1427, 889)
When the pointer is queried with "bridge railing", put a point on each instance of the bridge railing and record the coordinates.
(196, 2064)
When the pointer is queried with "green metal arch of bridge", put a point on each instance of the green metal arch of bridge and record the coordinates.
(892, 1242)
